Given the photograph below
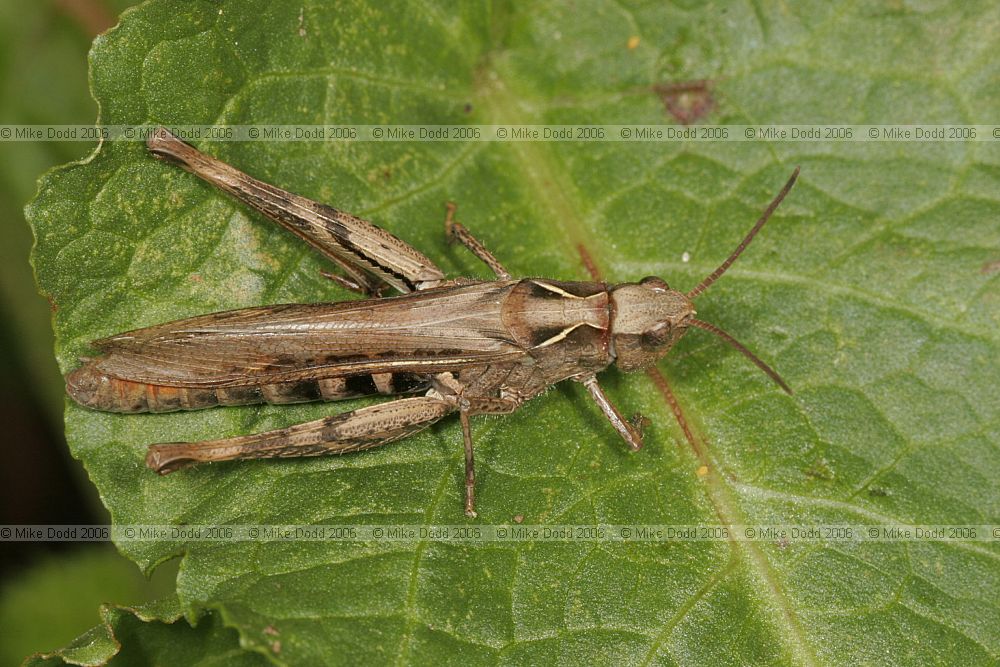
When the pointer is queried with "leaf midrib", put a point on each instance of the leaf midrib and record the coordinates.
(552, 190)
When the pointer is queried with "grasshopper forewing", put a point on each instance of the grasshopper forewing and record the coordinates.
(467, 346)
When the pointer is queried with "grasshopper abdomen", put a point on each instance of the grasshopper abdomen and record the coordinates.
(93, 389)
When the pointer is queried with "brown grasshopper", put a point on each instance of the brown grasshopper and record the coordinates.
(468, 346)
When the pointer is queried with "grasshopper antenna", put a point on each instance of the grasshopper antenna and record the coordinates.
(771, 373)
(707, 282)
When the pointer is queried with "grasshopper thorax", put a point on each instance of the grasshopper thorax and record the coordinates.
(647, 319)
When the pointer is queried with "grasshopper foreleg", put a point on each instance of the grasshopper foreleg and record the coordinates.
(630, 430)
(347, 432)
(457, 232)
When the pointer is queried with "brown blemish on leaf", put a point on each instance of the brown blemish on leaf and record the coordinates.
(518, 518)
(990, 267)
(633, 42)
(53, 306)
(687, 101)
(821, 469)
(383, 175)
(271, 630)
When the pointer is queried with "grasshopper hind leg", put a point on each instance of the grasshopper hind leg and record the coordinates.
(347, 432)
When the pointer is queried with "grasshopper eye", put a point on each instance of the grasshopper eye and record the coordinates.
(656, 335)
(657, 284)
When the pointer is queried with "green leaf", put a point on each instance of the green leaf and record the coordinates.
(867, 291)
(153, 633)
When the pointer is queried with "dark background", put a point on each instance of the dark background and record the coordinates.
(44, 74)
(50, 592)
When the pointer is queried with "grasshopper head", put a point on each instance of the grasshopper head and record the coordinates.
(648, 319)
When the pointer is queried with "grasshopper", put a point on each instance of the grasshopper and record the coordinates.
(469, 346)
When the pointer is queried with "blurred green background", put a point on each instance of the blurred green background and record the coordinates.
(49, 592)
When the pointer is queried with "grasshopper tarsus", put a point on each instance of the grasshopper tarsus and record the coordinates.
(639, 423)
(469, 346)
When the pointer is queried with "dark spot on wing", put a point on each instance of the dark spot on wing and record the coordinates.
(239, 395)
(302, 390)
(362, 385)
(404, 383)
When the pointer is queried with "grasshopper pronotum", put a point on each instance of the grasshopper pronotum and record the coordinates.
(468, 346)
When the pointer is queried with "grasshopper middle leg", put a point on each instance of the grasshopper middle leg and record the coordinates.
(478, 406)
(456, 231)
(468, 403)
(470, 465)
